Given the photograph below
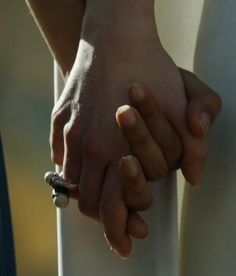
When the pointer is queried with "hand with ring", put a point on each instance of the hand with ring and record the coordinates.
(105, 67)
(142, 124)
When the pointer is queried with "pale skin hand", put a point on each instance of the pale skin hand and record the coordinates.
(202, 100)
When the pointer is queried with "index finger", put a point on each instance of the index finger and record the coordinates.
(114, 213)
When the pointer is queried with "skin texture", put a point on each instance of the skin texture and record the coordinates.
(60, 24)
(84, 134)
(202, 100)
(90, 90)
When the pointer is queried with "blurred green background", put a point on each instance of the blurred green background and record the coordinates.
(26, 99)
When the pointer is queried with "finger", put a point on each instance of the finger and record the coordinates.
(204, 104)
(193, 159)
(136, 226)
(114, 213)
(194, 149)
(161, 130)
(141, 142)
(136, 193)
(91, 182)
(71, 161)
(58, 120)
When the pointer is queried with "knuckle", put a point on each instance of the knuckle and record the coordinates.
(56, 145)
(213, 100)
(156, 170)
(139, 140)
(141, 203)
(67, 132)
(173, 150)
(150, 111)
(88, 209)
(135, 186)
(57, 118)
(152, 175)
(56, 158)
(57, 122)
(60, 115)
(109, 206)
(146, 204)
(70, 133)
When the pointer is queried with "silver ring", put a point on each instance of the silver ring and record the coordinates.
(60, 189)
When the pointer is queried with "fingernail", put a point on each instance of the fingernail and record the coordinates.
(128, 117)
(205, 122)
(138, 92)
(131, 167)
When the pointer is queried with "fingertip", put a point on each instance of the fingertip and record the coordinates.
(129, 166)
(193, 177)
(137, 227)
(204, 122)
(202, 110)
(122, 109)
(194, 160)
(125, 117)
(136, 92)
(199, 123)
(121, 251)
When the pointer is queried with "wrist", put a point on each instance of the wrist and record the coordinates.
(124, 19)
(126, 7)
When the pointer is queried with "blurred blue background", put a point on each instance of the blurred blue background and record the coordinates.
(26, 99)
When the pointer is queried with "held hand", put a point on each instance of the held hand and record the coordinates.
(84, 136)
(89, 144)
(202, 100)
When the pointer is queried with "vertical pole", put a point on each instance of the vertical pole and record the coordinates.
(82, 249)
(58, 86)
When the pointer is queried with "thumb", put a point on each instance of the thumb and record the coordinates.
(202, 110)
(203, 104)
